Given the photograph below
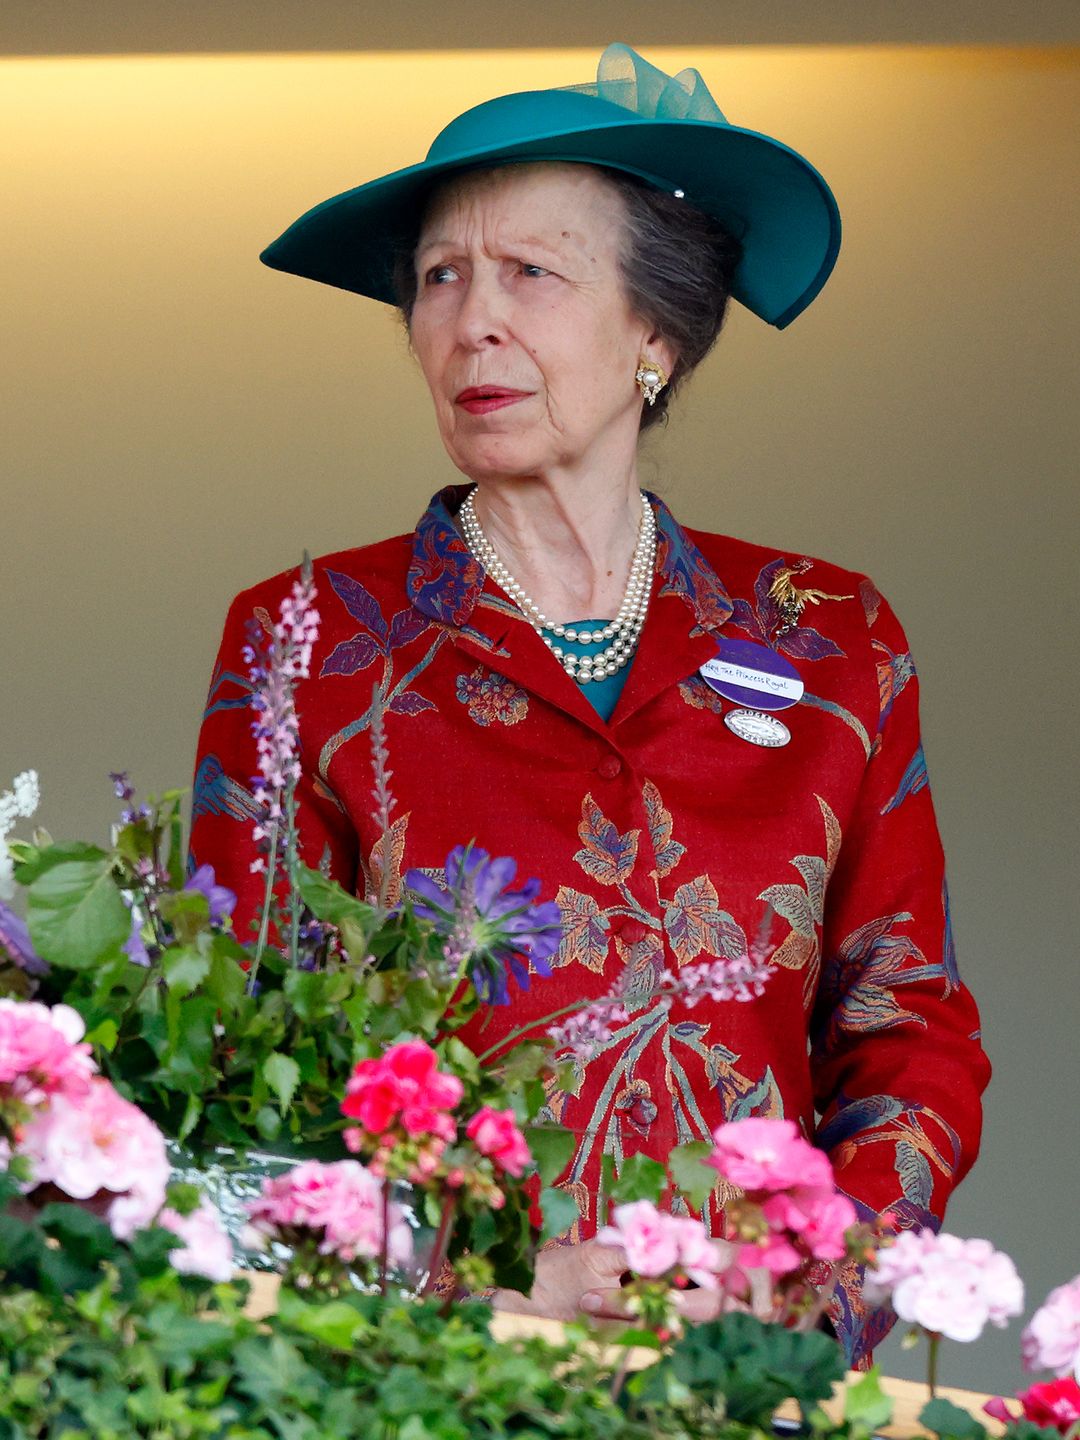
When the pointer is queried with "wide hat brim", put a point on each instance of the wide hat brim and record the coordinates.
(766, 194)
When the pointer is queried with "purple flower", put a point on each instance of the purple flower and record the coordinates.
(134, 947)
(503, 931)
(15, 941)
(220, 898)
(122, 786)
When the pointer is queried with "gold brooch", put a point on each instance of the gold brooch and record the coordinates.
(791, 599)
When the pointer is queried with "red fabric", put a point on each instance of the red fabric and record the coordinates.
(662, 834)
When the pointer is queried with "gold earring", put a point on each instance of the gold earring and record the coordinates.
(650, 378)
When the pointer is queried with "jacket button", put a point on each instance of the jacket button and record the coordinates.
(609, 767)
(632, 932)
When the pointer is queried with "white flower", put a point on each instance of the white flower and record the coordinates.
(20, 801)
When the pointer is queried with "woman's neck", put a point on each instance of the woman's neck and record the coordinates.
(568, 546)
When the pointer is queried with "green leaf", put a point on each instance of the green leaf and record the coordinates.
(75, 913)
(184, 967)
(332, 1322)
(552, 1148)
(282, 1075)
(639, 1179)
(865, 1403)
(944, 1418)
(32, 861)
(104, 1034)
(559, 1210)
(693, 1178)
(328, 901)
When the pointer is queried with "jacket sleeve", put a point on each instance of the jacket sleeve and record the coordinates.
(896, 1057)
(223, 809)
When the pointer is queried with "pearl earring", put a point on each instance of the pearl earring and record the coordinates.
(650, 378)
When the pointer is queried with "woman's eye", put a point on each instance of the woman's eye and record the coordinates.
(439, 274)
(534, 272)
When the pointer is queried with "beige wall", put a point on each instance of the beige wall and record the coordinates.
(179, 421)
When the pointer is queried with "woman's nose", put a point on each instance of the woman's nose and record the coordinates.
(481, 318)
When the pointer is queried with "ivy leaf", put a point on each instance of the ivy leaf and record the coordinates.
(76, 914)
(282, 1075)
(331, 1322)
(693, 1178)
(551, 1148)
(943, 1418)
(865, 1403)
(560, 1211)
(639, 1179)
(184, 967)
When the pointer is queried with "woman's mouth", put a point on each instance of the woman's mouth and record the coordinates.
(479, 399)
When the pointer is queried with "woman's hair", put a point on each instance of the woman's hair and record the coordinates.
(677, 266)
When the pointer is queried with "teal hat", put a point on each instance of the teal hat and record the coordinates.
(667, 130)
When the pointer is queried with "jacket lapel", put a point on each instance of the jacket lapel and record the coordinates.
(688, 605)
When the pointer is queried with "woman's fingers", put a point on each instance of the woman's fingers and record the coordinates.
(699, 1305)
(606, 1305)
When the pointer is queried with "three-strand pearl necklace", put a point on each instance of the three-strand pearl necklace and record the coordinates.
(624, 631)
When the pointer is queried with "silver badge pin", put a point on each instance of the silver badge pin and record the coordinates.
(757, 727)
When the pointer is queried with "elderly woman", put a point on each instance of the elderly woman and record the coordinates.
(680, 733)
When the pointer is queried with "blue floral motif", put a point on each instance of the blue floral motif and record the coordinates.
(913, 780)
(445, 579)
(684, 571)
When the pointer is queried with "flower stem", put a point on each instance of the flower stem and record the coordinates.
(932, 1362)
(268, 897)
(442, 1242)
(546, 1019)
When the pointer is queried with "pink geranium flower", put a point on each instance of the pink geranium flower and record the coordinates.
(495, 1133)
(657, 1244)
(949, 1286)
(759, 1153)
(42, 1052)
(207, 1249)
(343, 1201)
(96, 1145)
(1052, 1339)
(404, 1087)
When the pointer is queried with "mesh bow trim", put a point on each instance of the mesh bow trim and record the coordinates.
(625, 78)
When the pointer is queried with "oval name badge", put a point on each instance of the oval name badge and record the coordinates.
(758, 728)
(752, 675)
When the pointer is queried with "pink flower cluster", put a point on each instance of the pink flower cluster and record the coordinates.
(99, 1144)
(800, 1215)
(342, 1202)
(584, 1034)
(741, 978)
(42, 1052)
(403, 1090)
(949, 1286)
(495, 1134)
(1052, 1340)
(658, 1244)
(207, 1249)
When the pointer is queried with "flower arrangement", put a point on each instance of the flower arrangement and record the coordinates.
(412, 1173)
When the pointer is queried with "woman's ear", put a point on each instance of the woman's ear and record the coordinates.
(661, 351)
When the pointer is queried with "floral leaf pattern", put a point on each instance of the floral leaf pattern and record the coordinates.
(894, 671)
(912, 781)
(407, 625)
(701, 696)
(490, 697)
(803, 906)
(667, 850)
(408, 702)
(607, 856)
(584, 931)
(349, 656)
(360, 603)
(694, 923)
(389, 847)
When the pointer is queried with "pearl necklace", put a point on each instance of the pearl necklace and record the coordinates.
(624, 631)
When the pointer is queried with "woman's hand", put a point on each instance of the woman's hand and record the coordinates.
(576, 1279)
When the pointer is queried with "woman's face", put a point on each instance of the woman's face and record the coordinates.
(519, 292)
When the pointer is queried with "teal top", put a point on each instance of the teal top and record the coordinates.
(603, 694)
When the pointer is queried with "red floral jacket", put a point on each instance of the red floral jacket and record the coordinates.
(664, 837)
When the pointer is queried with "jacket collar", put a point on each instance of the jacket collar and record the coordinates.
(445, 581)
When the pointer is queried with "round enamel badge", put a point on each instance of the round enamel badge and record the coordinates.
(757, 727)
